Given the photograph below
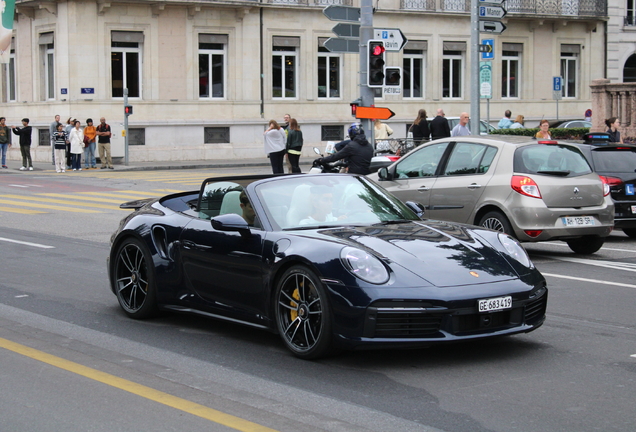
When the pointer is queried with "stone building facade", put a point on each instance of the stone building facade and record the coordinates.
(204, 77)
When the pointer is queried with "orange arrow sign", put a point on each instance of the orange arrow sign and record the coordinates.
(374, 113)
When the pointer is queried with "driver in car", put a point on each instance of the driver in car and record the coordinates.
(321, 199)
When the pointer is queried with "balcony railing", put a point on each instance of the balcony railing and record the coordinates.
(582, 8)
(312, 2)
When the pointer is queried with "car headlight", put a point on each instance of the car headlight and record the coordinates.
(364, 265)
(514, 249)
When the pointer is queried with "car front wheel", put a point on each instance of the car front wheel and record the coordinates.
(497, 221)
(134, 280)
(302, 313)
(586, 245)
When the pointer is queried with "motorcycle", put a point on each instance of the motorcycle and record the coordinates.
(330, 167)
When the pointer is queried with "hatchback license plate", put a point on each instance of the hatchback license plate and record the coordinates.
(578, 220)
(634, 209)
(494, 304)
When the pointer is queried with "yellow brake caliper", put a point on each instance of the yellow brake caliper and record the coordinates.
(293, 314)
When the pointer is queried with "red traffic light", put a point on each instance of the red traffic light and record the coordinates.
(378, 49)
(128, 110)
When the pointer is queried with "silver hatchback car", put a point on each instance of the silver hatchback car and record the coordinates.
(533, 190)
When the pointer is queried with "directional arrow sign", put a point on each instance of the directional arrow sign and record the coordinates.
(342, 13)
(492, 27)
(343, 45)
(347, 30)
(394, 39)
(374, 113)
(494, 11)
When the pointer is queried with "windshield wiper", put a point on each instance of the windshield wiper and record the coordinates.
(560, 173)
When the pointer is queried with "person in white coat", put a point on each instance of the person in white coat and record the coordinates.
(275, 142)
(76, 138)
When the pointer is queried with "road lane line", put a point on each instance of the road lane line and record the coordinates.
(21, 211)
(70, 200)
(136, 389)
(603, 248)
(589, 280)
(27, 243)
(599, 263)
(45, 206)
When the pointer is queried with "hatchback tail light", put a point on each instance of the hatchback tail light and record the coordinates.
(608, 182)
(525, 186)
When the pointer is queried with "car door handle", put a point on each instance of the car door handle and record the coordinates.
(474, 186)
(423, 189)
(187, 244)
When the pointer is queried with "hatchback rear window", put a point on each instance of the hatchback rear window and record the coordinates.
(551, 159)
(613, 160)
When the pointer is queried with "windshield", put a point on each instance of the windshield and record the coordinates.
(551, 159)
(328, 200)
(614, 160)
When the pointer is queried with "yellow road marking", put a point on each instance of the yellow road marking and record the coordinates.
(50, 207)
(21, 211)
(136, 389)
(69, 201)
(81, 197)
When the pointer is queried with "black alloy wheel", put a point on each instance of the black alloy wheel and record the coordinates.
(497, 221)
(134, 280)
(586, 245)
(302, 313)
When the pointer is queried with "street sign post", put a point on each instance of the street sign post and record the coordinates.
(374, 113)
(492, 27)
(342, 13)
(488, 50)
(492, 11)
(346, 30)
(394, 39)
(342, 45)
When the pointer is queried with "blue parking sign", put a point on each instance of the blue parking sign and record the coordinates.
(491, 54)
(557, 83)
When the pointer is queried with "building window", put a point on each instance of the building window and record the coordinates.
(136, 136)
(216, 135)
(630, 13)
(212, 66)
(126, 63)
(329, 72)
(44, 137)
(569, 69)
(284, 60)
(331, 132)
(413, 72)
(47, 78)
(629, 70)
(510, 70)
(453, 70)
(9, 73)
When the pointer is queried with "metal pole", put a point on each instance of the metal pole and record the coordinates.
(125, 127)
(474, 67)
(366, 33)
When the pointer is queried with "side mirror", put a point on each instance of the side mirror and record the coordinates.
(317, 150)
(230, 222)
(417, 208)
(384, 174)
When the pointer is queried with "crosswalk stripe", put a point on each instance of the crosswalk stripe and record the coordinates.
(82, 197)
(20, 211)
(69, 201)
(50, 207)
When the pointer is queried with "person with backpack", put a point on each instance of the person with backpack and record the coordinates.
(25, 144)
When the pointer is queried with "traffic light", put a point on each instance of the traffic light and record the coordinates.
(375, 70)
(392, 76)
(128, 110)
(354, 108)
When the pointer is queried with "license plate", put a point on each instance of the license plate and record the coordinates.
(634, 209)
(578, 220)
(494, 304)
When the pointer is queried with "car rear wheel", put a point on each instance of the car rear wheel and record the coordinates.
(586, 245)
(497, 221)
(631, 232)
(302, 313)
(134, 280)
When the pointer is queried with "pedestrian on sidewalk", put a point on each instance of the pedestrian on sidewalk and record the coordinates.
(5, 141)
(90, 133)
(76, 138)
(59, 146)
(275, 141)
(294, 145)
(25, 144)
(67, 129)
(103, 144)
(52, 130)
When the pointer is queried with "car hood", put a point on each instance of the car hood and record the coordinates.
(441, 253)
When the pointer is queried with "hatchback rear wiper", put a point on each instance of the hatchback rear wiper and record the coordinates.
(560, 173)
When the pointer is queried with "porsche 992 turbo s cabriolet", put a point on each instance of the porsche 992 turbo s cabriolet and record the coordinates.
(328, 261)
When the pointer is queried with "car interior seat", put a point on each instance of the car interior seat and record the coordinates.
(300, 205)
(231, 203)
(461, 163)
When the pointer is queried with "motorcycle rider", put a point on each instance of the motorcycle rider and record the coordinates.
(358, 152)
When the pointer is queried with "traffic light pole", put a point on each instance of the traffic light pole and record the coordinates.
(366, 34)
(474, 68)
(125, 128)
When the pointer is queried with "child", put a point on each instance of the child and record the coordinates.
(60, 138)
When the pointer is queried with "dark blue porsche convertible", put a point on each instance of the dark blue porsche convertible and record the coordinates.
(327, 261)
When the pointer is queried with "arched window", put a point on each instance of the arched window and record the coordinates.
(629, 70)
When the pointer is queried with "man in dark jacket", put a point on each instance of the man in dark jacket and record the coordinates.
(25, 144)
(439, 126)
(358, 153)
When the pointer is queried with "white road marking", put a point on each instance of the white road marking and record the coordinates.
(599, 263)
(27, 243)
(603, 248)
(633, 355)
(22, 186)
(589, 280)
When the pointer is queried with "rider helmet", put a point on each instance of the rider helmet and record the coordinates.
(355, 129)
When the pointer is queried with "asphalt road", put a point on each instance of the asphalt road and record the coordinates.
(74, 362)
